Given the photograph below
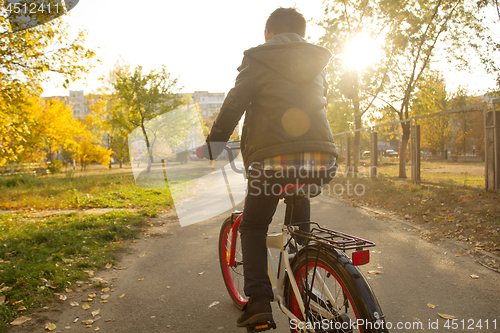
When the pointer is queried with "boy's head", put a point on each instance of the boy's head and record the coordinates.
(285, 20)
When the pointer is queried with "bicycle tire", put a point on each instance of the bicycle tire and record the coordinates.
(233, 276)
(350, 292)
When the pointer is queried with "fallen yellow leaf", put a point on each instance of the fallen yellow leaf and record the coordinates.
(63, 297)
(96, 312)
(51, 285)
(446, 316)
(123, 295)
(21, 308)
(85, 306)
(90, 273)
(141, 279)
(74, 304)
(105, 290)
(105, 296)
(88, 322)
(50, 327)
(474, 276)
(375, 272)
(108, 265)
(20, 321)
(432, 306)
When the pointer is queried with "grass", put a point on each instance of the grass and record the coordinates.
(96, 190)
(465, 174)
(463, 214)
(43, 256)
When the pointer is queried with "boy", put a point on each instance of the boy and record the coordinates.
(281, 87)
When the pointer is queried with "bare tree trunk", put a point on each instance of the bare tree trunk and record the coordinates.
(357, 120)
(357, 136)
(148, 146)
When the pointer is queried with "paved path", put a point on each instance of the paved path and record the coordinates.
(172, 282)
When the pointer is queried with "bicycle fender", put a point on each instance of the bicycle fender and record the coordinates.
(370, 300)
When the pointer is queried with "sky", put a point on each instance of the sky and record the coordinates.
(200, 42)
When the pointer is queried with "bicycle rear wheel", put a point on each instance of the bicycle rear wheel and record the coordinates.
(334, 297)
(233, 275)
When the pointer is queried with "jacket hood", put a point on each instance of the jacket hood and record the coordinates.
(292, 56)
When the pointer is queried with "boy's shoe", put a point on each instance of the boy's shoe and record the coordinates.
(257, 310)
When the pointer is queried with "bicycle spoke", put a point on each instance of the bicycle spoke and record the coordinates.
(323, 295)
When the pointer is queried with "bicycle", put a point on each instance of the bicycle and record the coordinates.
(317, 286)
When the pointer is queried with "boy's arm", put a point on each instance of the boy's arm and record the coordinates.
(234, 105)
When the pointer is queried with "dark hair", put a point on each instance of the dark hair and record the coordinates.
(286, 20)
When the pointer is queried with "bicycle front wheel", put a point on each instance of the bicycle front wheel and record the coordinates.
(233, 275)
(334, 301)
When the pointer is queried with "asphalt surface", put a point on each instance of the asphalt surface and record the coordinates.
(171, 281)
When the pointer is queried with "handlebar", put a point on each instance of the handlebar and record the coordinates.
(230, 156)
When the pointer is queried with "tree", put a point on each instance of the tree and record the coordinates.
(90, 145)
(348, 25)
(35, 129)
(418, 30)
(340, 114)
(431, 97)
(87, 152)
(468, 127)
(493, 3)
(413, 33)
(143, 97)
(27, 56)
(104, 104)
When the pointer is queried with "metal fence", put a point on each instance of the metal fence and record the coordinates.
(456, 147)
(22, 169)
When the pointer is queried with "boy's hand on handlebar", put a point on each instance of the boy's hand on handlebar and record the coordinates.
(210, 150)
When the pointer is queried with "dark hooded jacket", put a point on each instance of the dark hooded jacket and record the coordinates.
(282, 88)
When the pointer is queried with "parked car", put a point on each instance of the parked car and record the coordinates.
(390, 153)
(366, 154)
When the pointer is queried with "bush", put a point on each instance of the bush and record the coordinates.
(55, 166)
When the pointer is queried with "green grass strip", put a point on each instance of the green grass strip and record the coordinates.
(59, 249)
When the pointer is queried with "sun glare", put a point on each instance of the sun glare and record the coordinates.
(361, 52)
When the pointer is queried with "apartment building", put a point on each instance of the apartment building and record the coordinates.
(209, 103)
(76, 100)
(78, 104)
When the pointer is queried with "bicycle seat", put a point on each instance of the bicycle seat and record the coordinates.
(304, 190)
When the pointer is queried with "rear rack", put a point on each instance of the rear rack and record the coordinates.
(332, 238)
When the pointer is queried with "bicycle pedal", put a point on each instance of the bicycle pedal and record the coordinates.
(261, 327)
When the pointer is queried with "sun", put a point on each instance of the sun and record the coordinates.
(362, 51)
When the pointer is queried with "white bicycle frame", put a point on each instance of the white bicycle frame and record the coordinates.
(279, 241)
